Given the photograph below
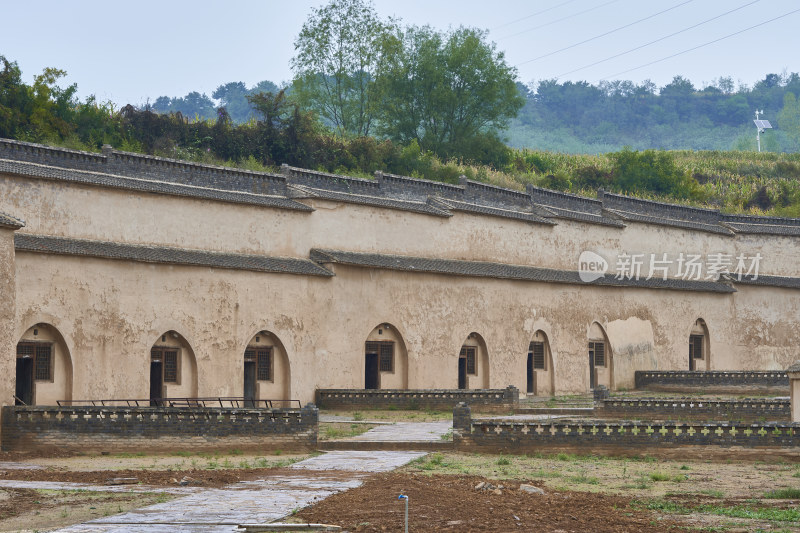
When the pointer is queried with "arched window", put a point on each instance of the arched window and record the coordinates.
(266, 372)
(44, 367)
(540, 375)
(385, 359)
(699, 352)
(173, 368)
(601, 360)
(473, 363)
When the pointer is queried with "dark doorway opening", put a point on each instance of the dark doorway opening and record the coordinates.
(531, 374)
(695, 350)
(249, 383)
(371, 371)
(156, 382)
(591, 368)
(462, 372)
(24, 388)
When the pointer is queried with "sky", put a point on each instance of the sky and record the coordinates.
(134, 52)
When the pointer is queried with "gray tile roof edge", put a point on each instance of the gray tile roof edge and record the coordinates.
(166, 255)
(762, 229)
(467, 207)
(378, 201)
(643, 201)
(672, 222)
(87, 177)
(784, 282)
(482, 269)
(582, 216)
(8, 221)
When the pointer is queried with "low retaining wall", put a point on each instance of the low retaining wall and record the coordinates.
(89, 428)
(715, 381)
(615, 437)
(694, 409)
(483, 400)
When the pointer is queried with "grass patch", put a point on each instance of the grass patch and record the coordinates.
(783, 494)
(503, 461)
(659, 476)
(338, 430)
(732, 511)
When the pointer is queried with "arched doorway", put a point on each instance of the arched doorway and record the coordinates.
(385, 359)
(540, 375)
(173, 368)
(473, 363)
(699, 346)
(601, 360)
(44, 367)
(266, 371)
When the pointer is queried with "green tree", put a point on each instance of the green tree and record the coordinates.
(338, 54)
(452, 92)
(789, 117)
(16, 100)
(651, 171)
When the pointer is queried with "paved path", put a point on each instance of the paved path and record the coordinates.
(258, 501)
(405, 432)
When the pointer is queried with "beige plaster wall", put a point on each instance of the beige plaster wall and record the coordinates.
(111, 312)
(83, 211)
(8, 340)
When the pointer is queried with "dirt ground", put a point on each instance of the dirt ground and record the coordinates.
(451, 503)
(41, 510)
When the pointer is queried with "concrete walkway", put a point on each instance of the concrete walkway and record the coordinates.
(405, 432)
(259, 501)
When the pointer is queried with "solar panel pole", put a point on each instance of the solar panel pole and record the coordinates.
(758, 129)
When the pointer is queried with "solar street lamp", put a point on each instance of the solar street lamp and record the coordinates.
(761, 125)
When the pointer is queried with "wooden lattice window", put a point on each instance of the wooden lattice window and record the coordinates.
(170, 366)
(469, 353)
(170, 362)
(385, 352)
(264, 364)
(599, 350)
(537, 349)
(696, 346)
(262, 357)
(42, 355)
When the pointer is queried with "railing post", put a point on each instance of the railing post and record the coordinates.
(794, 389)
(462, 421)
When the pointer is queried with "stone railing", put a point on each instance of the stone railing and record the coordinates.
(90, 428)
(715, 380)
(621, 437)
(693, 409)
(484, 400)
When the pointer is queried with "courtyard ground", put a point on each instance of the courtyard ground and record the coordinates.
(580, 493)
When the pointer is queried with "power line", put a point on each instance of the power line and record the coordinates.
(532, 15)
(604, 34)
(557, 20)
(657, 40)
(701, 45)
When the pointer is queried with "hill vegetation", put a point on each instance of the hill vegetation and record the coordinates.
(372, 94)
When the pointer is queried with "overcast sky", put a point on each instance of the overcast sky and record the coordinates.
(129, 52)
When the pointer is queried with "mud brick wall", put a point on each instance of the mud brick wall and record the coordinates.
(754, 409)
(715, 380)
(157, 429)
(627, 437)
(483, 400)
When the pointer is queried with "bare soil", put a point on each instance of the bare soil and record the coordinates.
(451, 503)
(35, 510)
